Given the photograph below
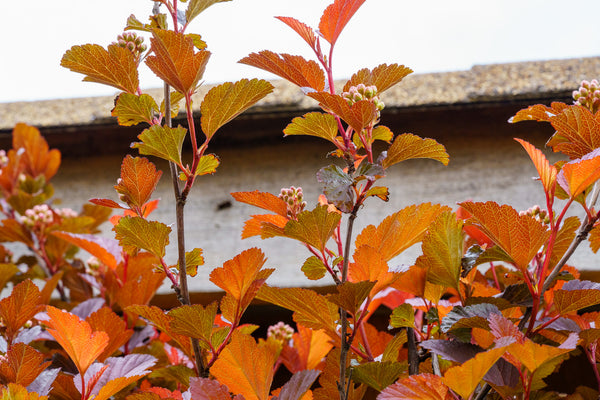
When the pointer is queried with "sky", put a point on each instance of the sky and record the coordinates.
(427, 36)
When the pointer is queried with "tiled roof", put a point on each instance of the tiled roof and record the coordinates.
(481, 83)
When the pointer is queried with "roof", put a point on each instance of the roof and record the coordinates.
(482, 83)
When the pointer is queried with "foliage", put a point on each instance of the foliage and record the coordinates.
(489, 306)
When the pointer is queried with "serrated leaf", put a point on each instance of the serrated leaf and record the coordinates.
(195, 7)
(335, 17)
(577, 131)
(250, 379)
(520, 236)
(193, 259)
(313, 227)
(463, 379)
(383, 77)
(400, 230)
(115, 67)
(305, 31)
(138, 181)
(174, 60)
(194, 321)
(36, 158)
(403, 316)
(298, 385)
(538, 112)
(106, 320)
(131, 109)
(442, 251)
(106, 203)
(107, 250)
(207, 165)
(475, 316)
(264, 200)
(265, 226)
(162, 141)
(408, 146)
(563, 240)
(378, 375)
(576, 295)
(143, 280)
(314, 124)
(351, 295)
(369, 265)
(360, 115)
(337, 187)
(576, 176)
(18, 308)
(533, 355)
(546, 171)
(14, 391)
(417, 387)
(22, 364)
(314, 268)
(296, 69)
(225, 102)
(76, 337)
(135, 233)
(310, 309)
(208, 389)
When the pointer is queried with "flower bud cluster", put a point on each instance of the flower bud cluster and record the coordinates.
(280, 332)
(132, 42)
(3, 159)
(588, 95)
(362, 92)
(537, 213)
(37, 216)
(65, 212)
(294, 199)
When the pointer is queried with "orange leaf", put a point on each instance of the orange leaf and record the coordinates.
(115, 327)
(107, 250)
(247, 367)
(577, 132)
(519, 236)
(22, 364)
(263, 200)
(36, 157)
(265, 226)
(360, 115)
(369, 265)
(12, 231)
(309, 349)
(417, 387)
(336, 16)
(114, 386)
(305, 31)
(174, 60)
(314, 124)
(408, 146)
(194, 320)
(595, 238)
(142, 281)
(464, 378)
(237, 275)
(538, 112)
(383, 77)
(577, 175)
(13, 391)
(546, 171)
(296, 69)
(224, 102)
(533, 355)
(76, 337)
(116, 67)
(18, 308)
(139, 178)
(400, 230)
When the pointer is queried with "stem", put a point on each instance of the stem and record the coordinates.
(413, 355)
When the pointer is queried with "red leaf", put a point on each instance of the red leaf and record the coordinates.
(546, 171)
(107, 250)
(301, 72)
(305, 31)
(336, 16)
(18, 308)
(175, 61)
(208, 389)
(22, 364)
(76, 337)
(106, 203)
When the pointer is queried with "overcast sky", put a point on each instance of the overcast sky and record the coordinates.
(428, 36)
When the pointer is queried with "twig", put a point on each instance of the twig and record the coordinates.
(413, 354)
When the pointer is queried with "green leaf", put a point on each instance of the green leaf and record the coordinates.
(207, 165)
(442, 250)
(313, 227)
(351, 295)
(197, 6)
(135, 233)
(162, 141)
(136, 24)
(225, 102)
(408, 146)
(337, 187)
(310, 308)
(403, 316)
(131, 109)
(379, 191)
(197, 39)
(194, 321)
(378, 375)
(115, 67)
(192, 260)
(313, 268)
(314, 124)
